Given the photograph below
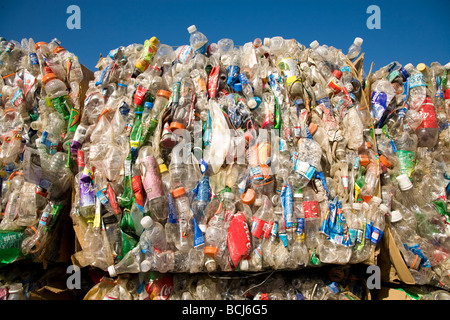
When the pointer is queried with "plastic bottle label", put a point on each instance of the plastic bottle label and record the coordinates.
(136, 183)
(379, 104)
(257, 227)
(33, 58)
(45, 218)
(300, 229)
(311, 209)
(286, 201)
(393, 75)
(233, 75)
(376, 235)
(304, 169)
(407, 161)
(186, 52)
(289, 68)
(101, 195)
(416, 80)
(152, 182)
(213, 81)
(428, 114)
(368, 233)
(353, 235)
(87, 194)
(198, 235)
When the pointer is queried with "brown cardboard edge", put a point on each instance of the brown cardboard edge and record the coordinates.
(397, 260)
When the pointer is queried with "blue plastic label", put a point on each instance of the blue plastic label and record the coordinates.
(379, 104)
(198, 235)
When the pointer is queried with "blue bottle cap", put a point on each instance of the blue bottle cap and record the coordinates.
(238, 87)
(148, 105)
(258, 101)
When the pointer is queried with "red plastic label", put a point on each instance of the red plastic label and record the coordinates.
(213, 81)
(428, 113)
(238, 238)
(139, 95)
(311, 209)
(257, 227)
(138, 190)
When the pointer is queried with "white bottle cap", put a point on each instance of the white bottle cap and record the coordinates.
(365, 206)
(211, 265)
(244, 265)
(376, 200)
(251, 104)
(384, 208)
(146, 222)
(396, 216)
(145, 266)
(357, 206)
(298, 195)
(347, 206)
(314, 44)
(403, 182)
(358, 41)
(378, 131)
(267, 42)
(192, 28)
(112, 271)
(409, 66)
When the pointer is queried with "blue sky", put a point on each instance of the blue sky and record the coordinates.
(411, 31)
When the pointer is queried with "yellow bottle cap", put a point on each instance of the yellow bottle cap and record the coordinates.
(421, 67)
(162, 168)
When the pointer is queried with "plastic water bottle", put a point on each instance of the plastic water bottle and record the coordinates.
(197, 40)
(355, 49)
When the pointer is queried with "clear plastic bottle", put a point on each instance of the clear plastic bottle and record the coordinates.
(184, 215)
(311, 209)
(129, 264)
(197, 40)
(152, 240)
(201, 201)
(355, 49)
(404, 234)
(182, 111)
(153, 186)
(71, 63)
(427, 132)
(406, 147)
(417, 87)
(16, 292)
(215, 237)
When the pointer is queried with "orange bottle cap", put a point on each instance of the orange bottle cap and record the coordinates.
(58, 49)
(385, 161)
(363, 160)
(39, 44)
(248, 197)
(48, 77)
(164, 93)
(175, 125)
(178, 192)
(211, 251)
